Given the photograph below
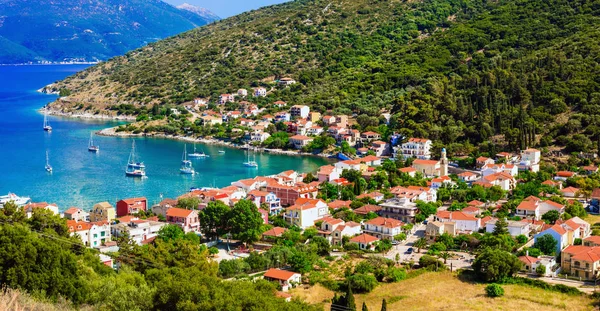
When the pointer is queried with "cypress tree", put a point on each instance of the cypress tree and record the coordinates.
(384, 305)
(364, 307)
(350, 303)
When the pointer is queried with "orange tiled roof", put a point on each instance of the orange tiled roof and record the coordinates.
(364, 239)
(178, 212)
(279, 274)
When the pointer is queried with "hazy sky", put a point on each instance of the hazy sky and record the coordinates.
(227, 8)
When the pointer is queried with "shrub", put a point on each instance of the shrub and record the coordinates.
(494, 290)
(541, 270)
(362, 283)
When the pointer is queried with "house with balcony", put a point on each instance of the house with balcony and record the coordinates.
(399, 208)
(270, 199)
(515, 228)
(226, 98)
(530, 160)
(483, 161)
(131, 206)
(534, 207)
(463, 222)
(188, 220)
(305, 212)
(419, 148)
(300, 141)
(260, 92)
(138, 230)
(103, 211)
(92, 234)
(74, 213)
(299, 111)
(581, 261)
(383, 228)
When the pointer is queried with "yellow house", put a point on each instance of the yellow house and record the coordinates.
(103, 211)
(314, 117)
(427, 167)
(581, 261)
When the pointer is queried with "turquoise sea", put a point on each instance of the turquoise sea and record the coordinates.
(82, 178)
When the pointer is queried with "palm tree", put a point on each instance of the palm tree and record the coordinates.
(445, 256)
(420, 243)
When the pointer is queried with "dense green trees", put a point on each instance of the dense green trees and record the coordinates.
(213, 219)
(493, 265)
(546, 244)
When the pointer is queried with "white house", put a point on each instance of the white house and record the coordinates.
(365, 241)
(260, 92)
(300, 141)
(226, 98)
(535, 207)
(259, 136)
(463, 221)
(242, 92)
(92, 234)
(416, 148)
(286, 279)
(138, 229)
(515, 228)
(530, 160)
(286, 81)
(383, 228)
(305, 212)
(415, 193)
(299, 111)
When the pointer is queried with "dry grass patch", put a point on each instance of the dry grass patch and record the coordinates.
(444, 291)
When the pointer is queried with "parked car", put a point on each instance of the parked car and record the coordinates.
(409, 251)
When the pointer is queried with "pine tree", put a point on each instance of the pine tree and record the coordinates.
(350, 302)
(364, 307)
(384, 305)
(501, 227)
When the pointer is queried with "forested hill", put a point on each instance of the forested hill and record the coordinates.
(88, 30)
(459, 72)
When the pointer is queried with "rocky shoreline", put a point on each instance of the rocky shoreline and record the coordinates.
(89, 116)
(111, 132)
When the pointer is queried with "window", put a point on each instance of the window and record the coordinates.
(102, 233)
(95, 236)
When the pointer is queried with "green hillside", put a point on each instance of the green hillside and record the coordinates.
(516, 72)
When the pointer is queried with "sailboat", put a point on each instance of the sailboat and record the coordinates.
(134, 169)
(252, 163)
(186, 165)
(91, 146)
(200, 154)
(48, 166)
(47, 126)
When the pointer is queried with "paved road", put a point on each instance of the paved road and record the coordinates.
(586, 287)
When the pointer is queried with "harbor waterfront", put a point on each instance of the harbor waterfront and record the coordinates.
(80, 177)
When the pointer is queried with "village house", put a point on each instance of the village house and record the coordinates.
(515, 228)
(226, 98)
(483, 161)
(76, 214)
(30, 207)
(259, 136)
(534, 207)
(92, 234)
(419, 148)
(463, 222)
(103, 211)
(468, 177)
(269, 199)
(399, 208)
(274, 233)
(370, 136)
(242, 92)
(570, 192)
(289, 194)
(131, 206)
(300, 141)
(286, 81)
(562, 234)
(365, 241)
(530, 264)
(305, 212)
(139, 230)
(314, 116)
(337, 204)
(211, 120)
(379, 147)
(503, 180)
(299, 111)
(590, 169)
(375, 195)
(279, 104)
(285, 279)
(581, 261)
(442, 181)
(260, 92)
(383, 228)
(530, 160)
(564, 175)
(427, 167)
(187, 219)
(347, 229)
(415, 193)
(366, 209)
(410, 171)
(593, 240)
(435, 229)
(552, 183)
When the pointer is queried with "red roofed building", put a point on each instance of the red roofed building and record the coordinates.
(300, 141)
(187, 219)
(337, 204)
(365, 209)
(286, 279)
(131, 206)
(365, 241)
(581, 261)
(464, 222)
(74, 213)
(419, 148)
(305, 212)
(564, 175)
(274, 232)
(535, 207)
(383, 228)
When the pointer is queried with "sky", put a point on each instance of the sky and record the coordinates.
(227, 8)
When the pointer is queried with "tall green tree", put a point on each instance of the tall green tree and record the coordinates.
(493, 265)
(384, 305)
(213, 219)
(245, 221)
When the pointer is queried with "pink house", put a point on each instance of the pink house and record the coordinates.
(265, 216)
(187, 219)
